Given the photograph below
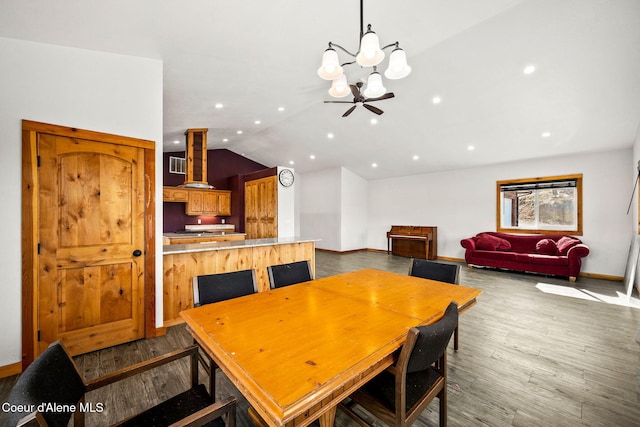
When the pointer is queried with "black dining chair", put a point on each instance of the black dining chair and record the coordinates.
(54, 379)
(449, 273)
(212, 288)
(289, 274)
(398, 395)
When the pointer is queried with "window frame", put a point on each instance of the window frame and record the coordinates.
(177, 165)
(576, 177)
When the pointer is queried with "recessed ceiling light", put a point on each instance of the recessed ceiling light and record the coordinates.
(280, 108)
(257, 122)
(374, 165)
(176, 142)
(290, 162)
(436, 100)
(546, 134)
(225, 139)
(373, 121)
(471, 148)
(239, 132)
(416, 157)
(330, 135)
(529, 69)
(218, 105)
(312, 157)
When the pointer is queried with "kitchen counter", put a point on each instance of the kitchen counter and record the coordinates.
(233, 244)
(182, 262)
(200, 237)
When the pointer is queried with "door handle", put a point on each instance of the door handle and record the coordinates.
(137, 252)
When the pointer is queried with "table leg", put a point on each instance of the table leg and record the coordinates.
(327, 419)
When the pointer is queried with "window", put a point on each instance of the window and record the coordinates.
(177, 165)
(540, 205)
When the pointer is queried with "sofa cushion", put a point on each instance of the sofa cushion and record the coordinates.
(565, 243)
(487, 242)
(542, 259)
(498, 255)
(546, 247)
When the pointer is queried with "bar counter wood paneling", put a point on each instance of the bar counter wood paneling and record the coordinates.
(182, 262)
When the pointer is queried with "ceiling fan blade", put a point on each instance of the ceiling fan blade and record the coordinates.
(380, 98)
(338, 102)
(349, 111)
(373, 109)
(355, 91)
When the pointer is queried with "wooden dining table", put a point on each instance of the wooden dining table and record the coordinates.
(296, 352)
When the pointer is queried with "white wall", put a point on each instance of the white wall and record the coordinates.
(320, 208)
(333, 208)
(463, 203)
(69, 87)
(286, 208)
(633, 176)
(353, 207)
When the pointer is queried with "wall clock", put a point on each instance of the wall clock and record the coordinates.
(286, 177)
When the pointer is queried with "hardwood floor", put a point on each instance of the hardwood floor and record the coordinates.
(534, 351)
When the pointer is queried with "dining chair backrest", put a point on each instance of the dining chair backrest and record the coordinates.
(289, 274)
(432, 340)
(400, 394)
(51, 378)
(212, 288)
(51, 390)
(425, 269)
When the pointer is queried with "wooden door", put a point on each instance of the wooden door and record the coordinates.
(251, 209)
(261, 208)
(91, 243)
(268, 207)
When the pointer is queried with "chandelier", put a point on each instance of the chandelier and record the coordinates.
(369, 54)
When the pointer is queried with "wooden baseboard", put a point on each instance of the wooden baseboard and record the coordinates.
(10, 370)
(446, 258)
(331, 251)
(602, 276)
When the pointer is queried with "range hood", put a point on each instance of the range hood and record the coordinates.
(196, 159)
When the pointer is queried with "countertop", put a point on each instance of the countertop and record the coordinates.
(232, 244)
(202, 234)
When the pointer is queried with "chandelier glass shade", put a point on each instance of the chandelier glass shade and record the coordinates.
(369, 54)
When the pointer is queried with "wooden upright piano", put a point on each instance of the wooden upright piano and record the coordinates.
(413, 241)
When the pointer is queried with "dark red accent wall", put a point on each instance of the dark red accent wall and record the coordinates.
(226, 171)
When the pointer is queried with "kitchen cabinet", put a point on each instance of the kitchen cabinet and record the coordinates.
(200, 202)
(174, 194)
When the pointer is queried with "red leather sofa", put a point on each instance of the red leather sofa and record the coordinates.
(554, 254)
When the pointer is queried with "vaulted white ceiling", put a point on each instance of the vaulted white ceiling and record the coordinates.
(256, 56)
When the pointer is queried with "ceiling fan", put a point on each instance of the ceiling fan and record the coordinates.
(359, 99)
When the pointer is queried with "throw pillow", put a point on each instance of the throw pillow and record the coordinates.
(565, 243)
(546, 247)
(487, 242)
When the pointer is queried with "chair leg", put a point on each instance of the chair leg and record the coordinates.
(443, 406)
(455, 339)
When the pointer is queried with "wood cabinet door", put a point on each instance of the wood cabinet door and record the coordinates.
(172, 194)
(261, 208)
(224, 203)
(195, 204)
(91, 243)
(209, 203)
